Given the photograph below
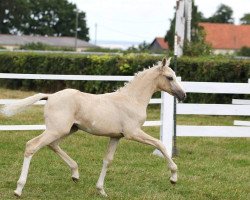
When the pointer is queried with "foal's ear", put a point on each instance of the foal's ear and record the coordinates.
(165, 62)
(168, 62)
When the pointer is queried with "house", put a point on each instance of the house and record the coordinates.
(12, 42)
(226, 38)
(158, 45)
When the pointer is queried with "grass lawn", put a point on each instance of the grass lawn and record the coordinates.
(209, 168)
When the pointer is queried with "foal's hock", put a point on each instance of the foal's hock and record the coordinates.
(117, 115)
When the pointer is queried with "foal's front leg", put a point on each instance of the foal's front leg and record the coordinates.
(106, 162)
(141, 136)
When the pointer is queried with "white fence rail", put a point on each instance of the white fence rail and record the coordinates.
(241, 123)
(65, 77)
(213, 109)
(241, 102)
(214, 87)
(166, 101)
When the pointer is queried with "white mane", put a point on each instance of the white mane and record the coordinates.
(139, 75)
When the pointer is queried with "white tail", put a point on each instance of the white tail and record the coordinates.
(20, 105)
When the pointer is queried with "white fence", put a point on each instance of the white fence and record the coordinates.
(241, 102)
(166, 122)
(205, 109)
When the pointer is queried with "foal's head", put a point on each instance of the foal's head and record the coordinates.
(167, 81)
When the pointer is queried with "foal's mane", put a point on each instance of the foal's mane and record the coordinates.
(139, 75)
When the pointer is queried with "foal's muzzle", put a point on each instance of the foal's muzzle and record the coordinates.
(180, 95)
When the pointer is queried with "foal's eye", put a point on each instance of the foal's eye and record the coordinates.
(170, 78)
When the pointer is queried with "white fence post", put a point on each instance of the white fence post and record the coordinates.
(167, 127)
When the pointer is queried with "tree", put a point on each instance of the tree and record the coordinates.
(223, 14)
(13, 14)
(244, 51)
(142, 47)
(196, 18)
(42, 17)
(245, 19)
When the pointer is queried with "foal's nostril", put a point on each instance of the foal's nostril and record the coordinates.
(184, 96)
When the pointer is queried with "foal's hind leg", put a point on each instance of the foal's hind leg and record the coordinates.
(71, 163)
(142, 137)
(32, 147)
(106, 162)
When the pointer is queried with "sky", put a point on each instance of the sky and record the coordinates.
(142, 20)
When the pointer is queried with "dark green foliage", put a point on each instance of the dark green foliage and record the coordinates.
(197, 36)
(213, 69)
(41, 17)
(169, 37)
(224, 14)
(13, 15)
(196, 18)
(142, 47)
(44, 47)
(244, 51)
(245, 19)
(70, 64)
(198, 47)
(104, 49)
(210, 69)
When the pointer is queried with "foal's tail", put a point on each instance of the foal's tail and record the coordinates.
(20, 105)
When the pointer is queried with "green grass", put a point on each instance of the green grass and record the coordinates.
(209, 168)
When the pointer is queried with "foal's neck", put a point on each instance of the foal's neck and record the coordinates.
(142, 87)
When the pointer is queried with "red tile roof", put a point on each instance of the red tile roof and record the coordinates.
(161, 42)
(227, 36)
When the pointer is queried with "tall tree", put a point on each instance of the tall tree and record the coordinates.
(196, 18)
(245, 19)
(13, 14)
(223, 14)
(42, 17)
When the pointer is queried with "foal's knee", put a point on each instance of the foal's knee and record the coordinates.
(29, 149)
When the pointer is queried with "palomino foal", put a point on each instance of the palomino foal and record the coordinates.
(115, 115)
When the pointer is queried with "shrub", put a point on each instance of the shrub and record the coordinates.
(44, 47)
(35, 63)
(198, 48)
(210, 69)
(214, 69)
(244, 51)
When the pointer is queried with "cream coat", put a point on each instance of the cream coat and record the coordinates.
(120, 114)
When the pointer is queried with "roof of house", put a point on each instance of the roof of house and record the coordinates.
(162, 43)
(227, 36)
(53, 41)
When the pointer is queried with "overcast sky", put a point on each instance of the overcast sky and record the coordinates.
(142, 20)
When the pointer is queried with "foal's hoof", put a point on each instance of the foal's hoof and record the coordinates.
(172, 182)
(75, 179)
(102, 192)
(17, 194)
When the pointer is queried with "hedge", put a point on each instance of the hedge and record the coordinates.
(190, 69)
